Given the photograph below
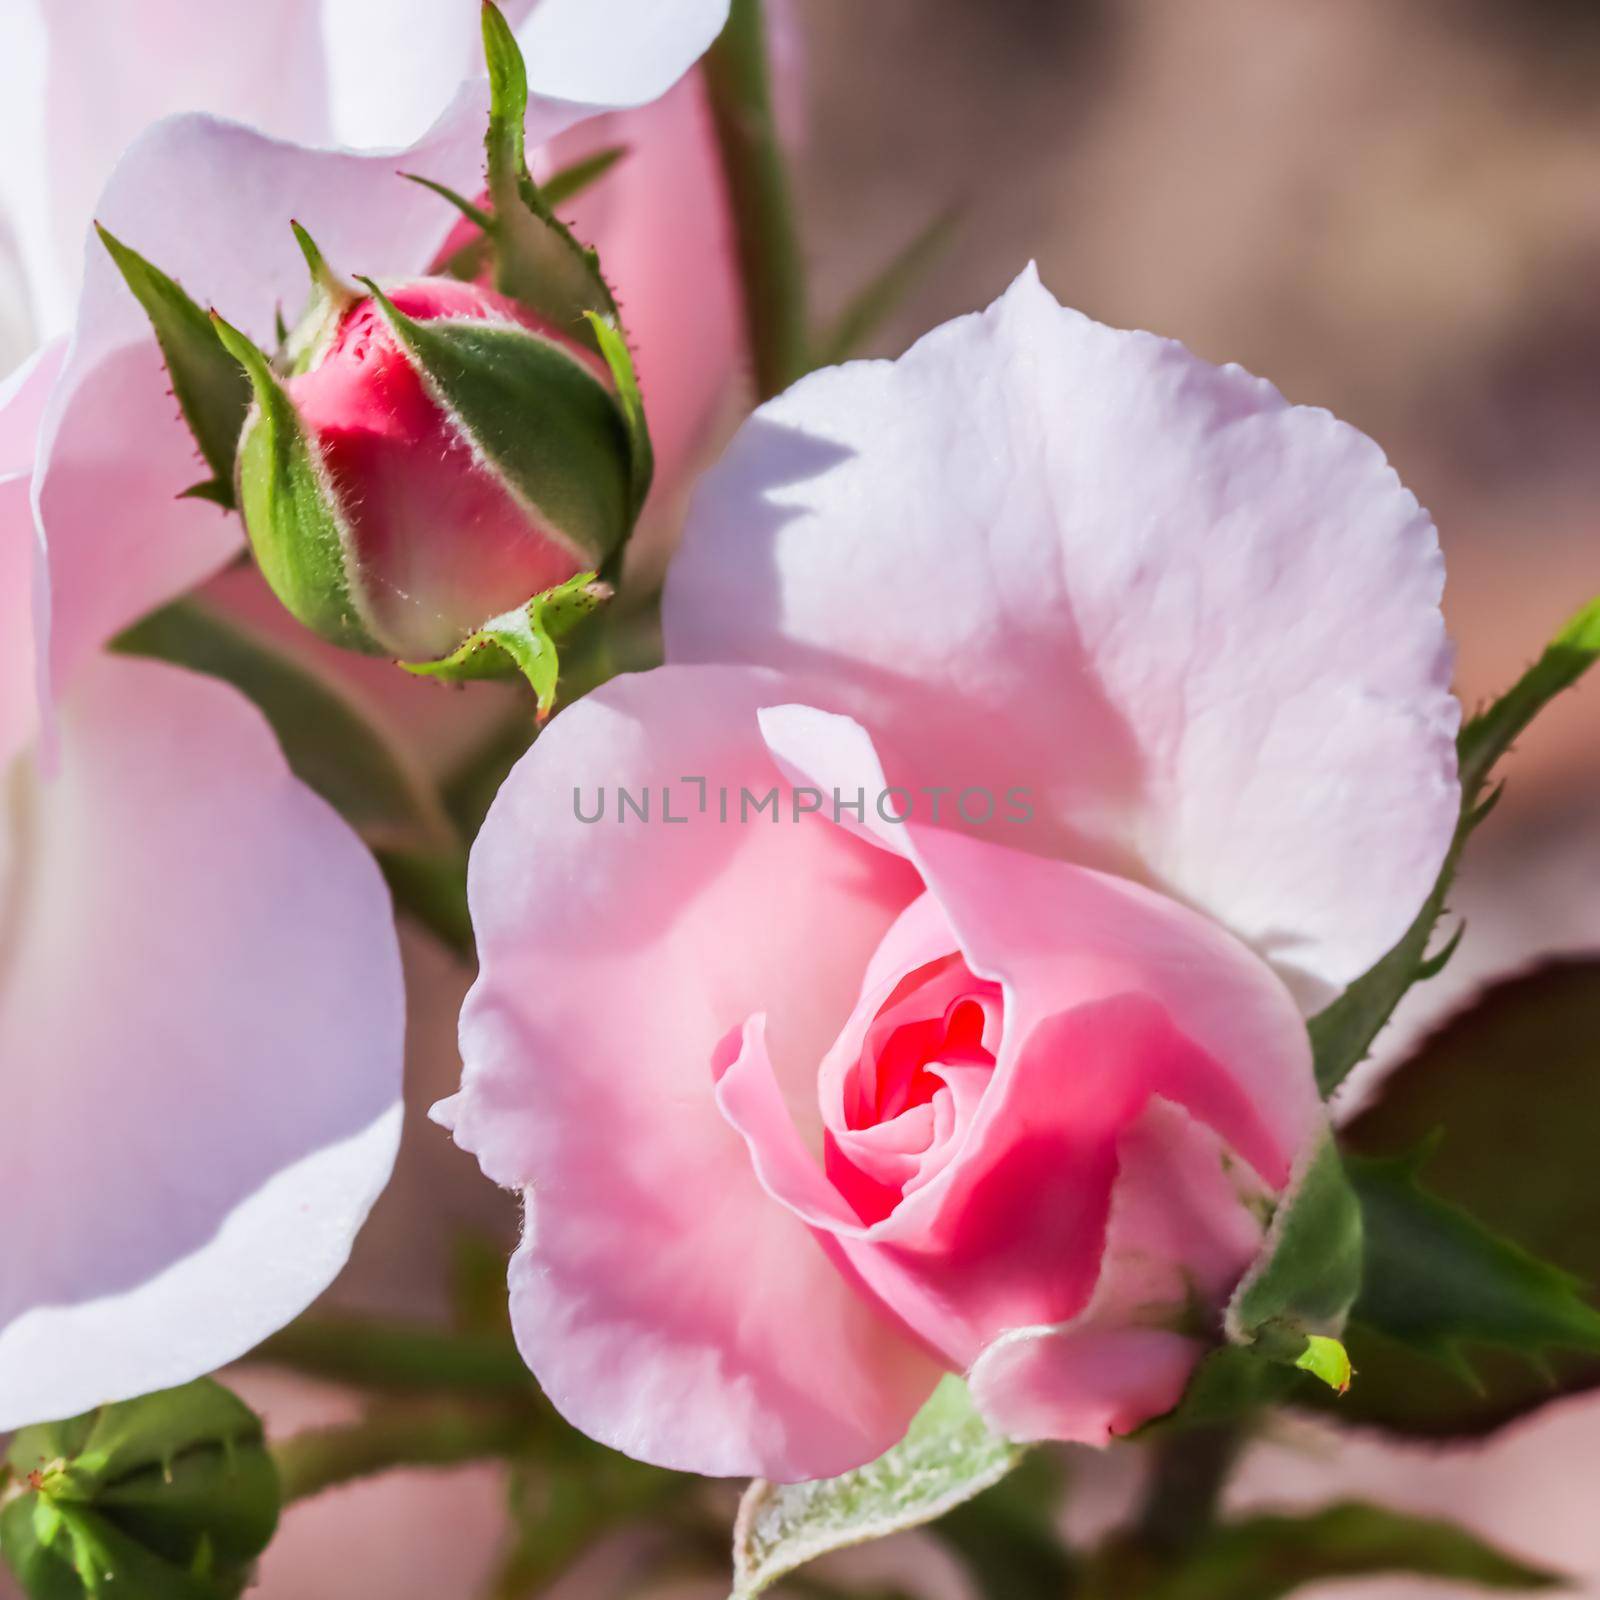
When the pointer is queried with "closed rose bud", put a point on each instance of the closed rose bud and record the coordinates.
(438, 456)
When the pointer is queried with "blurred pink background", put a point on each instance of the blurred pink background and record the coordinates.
(1390, 208)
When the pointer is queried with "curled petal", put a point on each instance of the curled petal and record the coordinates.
(1183, 1228)
(667, 1305)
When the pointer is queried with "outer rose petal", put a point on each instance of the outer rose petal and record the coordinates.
(387, 59)
(80, 78)
(200, 1044)
(22, 401)
(669, 1307)
(615, 52)
(1201, 625)
(1181, 1229)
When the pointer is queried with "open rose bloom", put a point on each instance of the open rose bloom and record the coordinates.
(1105, 699)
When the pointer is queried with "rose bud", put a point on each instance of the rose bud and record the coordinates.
(438, 456)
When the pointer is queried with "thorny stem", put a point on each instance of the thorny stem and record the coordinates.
(771, 265)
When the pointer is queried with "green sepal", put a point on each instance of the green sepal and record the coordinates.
(523, 640)
(289, 509)
(619, 358)
(537, 259)
(948, 1456)
(328, 741)
(330, 298)
(206, 381)
(537, 416)
(169, 1497)
(1309, 1272)
(1342, 1033)
(469, 260)
(474, 213)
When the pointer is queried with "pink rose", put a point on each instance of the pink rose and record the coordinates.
(201, 1013)
(81, 79)
(810, 1104)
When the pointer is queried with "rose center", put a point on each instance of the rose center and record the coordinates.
(924, 1060)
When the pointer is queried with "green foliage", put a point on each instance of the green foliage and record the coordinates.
(1342, 1034)
(572, 180)
(207, 382)
(1459, 1327)
(536, 258)
(169, 1497)
(329, 743)
(1265, 1557)
(1284, 1320)
(330, 298)
(1007, 1538)
(524, 640)
(1309, 1273)
(619, 358)
(947, 1456)
(536, 416)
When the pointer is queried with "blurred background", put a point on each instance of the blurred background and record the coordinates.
(1391, 208)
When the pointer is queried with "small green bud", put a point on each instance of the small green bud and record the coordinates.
(168, 1497)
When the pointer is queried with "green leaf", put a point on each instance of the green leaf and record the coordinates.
(1008, 1537)
(524, 640)
(537, 259)
(619, 358)
(1342, 1033)
(878, 299)
(290, 511)
(169, 1497)
(431, 887)
(537, 416)
(330, 745)
(1265, 1557)
(1437, 1280)
(213, 393)
(947, 1456)
(1467, 1327)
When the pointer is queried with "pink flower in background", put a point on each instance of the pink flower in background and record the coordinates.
(211, 201)
(811, 1104)
(201, 1013)
(80, 79)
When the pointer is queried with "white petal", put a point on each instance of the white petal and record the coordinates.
(201, 1023)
